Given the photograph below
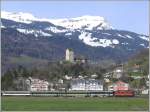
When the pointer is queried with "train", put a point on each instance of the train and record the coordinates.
(120, 93)
(129, 93)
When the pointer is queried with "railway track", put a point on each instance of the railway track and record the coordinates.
(61, 93)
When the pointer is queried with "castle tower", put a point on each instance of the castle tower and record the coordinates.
(69, 55)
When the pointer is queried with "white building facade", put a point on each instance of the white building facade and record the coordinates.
(85, 85)
(117, 73)
(38, 85)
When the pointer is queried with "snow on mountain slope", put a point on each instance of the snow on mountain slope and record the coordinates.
(128, 36)
(95, 42)
(144, 37)
(83, 22)
(3, 26)
(121, 35)
(35, 32)
(55, 30)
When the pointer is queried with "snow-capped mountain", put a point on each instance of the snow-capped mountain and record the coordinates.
(85, 26)
(84, 22)
(91, 36)
(18, 17)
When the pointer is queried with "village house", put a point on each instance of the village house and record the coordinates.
(145, 91)
(119, 85)
(80, 60)
(38, 85)
(60, 81)
(135, 68)
(94, 76)
(118, 72)
(111, 87)
(67, 77)
(107, 80)
(108, 75)
(86, 84)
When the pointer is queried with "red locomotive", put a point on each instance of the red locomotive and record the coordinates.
(128, 93)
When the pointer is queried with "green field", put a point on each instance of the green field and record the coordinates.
(75, 104)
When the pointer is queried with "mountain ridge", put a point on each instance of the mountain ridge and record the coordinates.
(94, 40)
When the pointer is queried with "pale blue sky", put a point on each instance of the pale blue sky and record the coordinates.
(126, 15)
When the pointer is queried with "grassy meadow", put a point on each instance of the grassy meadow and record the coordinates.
(22, 103)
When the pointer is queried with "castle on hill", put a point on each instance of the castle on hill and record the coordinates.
(71, 57)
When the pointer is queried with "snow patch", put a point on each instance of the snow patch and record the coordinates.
(18, 17)
(121, 35)
(106, 33)
(144, 38)
(142, 45)
(105, 42)
(68, 34)
(125, 43)
(115, 41)
(128, 36)
(95, 42)
(55, 30)
(35, 32)
(45, 34)
(3, 26)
